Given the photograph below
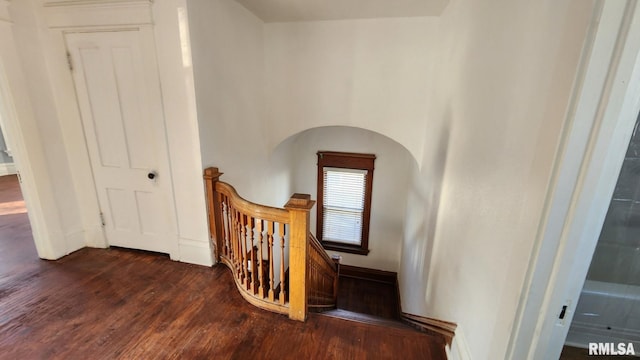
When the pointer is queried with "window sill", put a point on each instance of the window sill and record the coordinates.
(352, 249)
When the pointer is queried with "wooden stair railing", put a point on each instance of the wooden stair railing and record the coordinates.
(268, 249)
(323, 272)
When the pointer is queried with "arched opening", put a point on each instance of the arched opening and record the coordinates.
(293, 169)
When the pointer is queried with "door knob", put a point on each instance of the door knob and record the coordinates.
(152, 175)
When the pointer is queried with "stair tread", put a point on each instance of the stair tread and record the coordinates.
(366, 319)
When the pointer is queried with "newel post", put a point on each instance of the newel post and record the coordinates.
(211, 177)
(299, 206)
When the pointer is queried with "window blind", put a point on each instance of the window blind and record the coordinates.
(343, 205)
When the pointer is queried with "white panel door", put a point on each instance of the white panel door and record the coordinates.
(118, 92)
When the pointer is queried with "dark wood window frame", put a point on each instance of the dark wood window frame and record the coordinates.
(345, 160)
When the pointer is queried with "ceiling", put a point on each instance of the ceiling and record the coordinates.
(315, 10)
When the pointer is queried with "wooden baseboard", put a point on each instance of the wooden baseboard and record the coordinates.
(356, 272)
(436, 327)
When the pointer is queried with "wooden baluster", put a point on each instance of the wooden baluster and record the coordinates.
(219, 249)
(223, 211)
(236, 240)
(229, 228)
(232, 233)
(239, 244)
(233, 228)
(254, 271)
(260, 262)
(270, 243)
(243, 248)
(299, 206)
(282, 290)
(222, 223)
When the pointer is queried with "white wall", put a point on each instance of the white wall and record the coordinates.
(56, 182)
(498, 107)
(390, 179)
(227, 42)
(371, 74)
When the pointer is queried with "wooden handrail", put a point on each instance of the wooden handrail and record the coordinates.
(323, 274)
(247, 207)
(275, 264)
(320, 249)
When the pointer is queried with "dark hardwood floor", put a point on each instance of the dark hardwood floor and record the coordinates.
(125, 304)
(16, 242)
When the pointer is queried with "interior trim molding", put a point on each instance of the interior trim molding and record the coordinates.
(194, 252)
(599, 124)
(458, 349)
(95, 237)
(444, 329)
(75, 240)
(64, 14)
(51, 3)
(386, 277)
(7, 169)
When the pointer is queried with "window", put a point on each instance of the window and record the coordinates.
(345, 181)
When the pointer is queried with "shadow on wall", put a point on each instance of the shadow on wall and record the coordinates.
(391, 183)
(423, 205)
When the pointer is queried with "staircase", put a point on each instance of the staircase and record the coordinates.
(277, 264)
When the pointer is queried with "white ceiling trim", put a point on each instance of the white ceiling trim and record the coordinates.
(318, 10)
(85, 13)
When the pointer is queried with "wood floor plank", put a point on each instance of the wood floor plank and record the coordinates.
(123, 304)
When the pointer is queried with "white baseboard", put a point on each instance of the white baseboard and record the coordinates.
(75, 240)
(195, 252)
(44, 241)
(459, 350)
(7, 169)
(94, 237)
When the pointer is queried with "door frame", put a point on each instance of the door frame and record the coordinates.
(605, 106)
(7, 103)
(146, 47)
(62, 18)
(47, 21)
(167, 23)
(23, 139)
